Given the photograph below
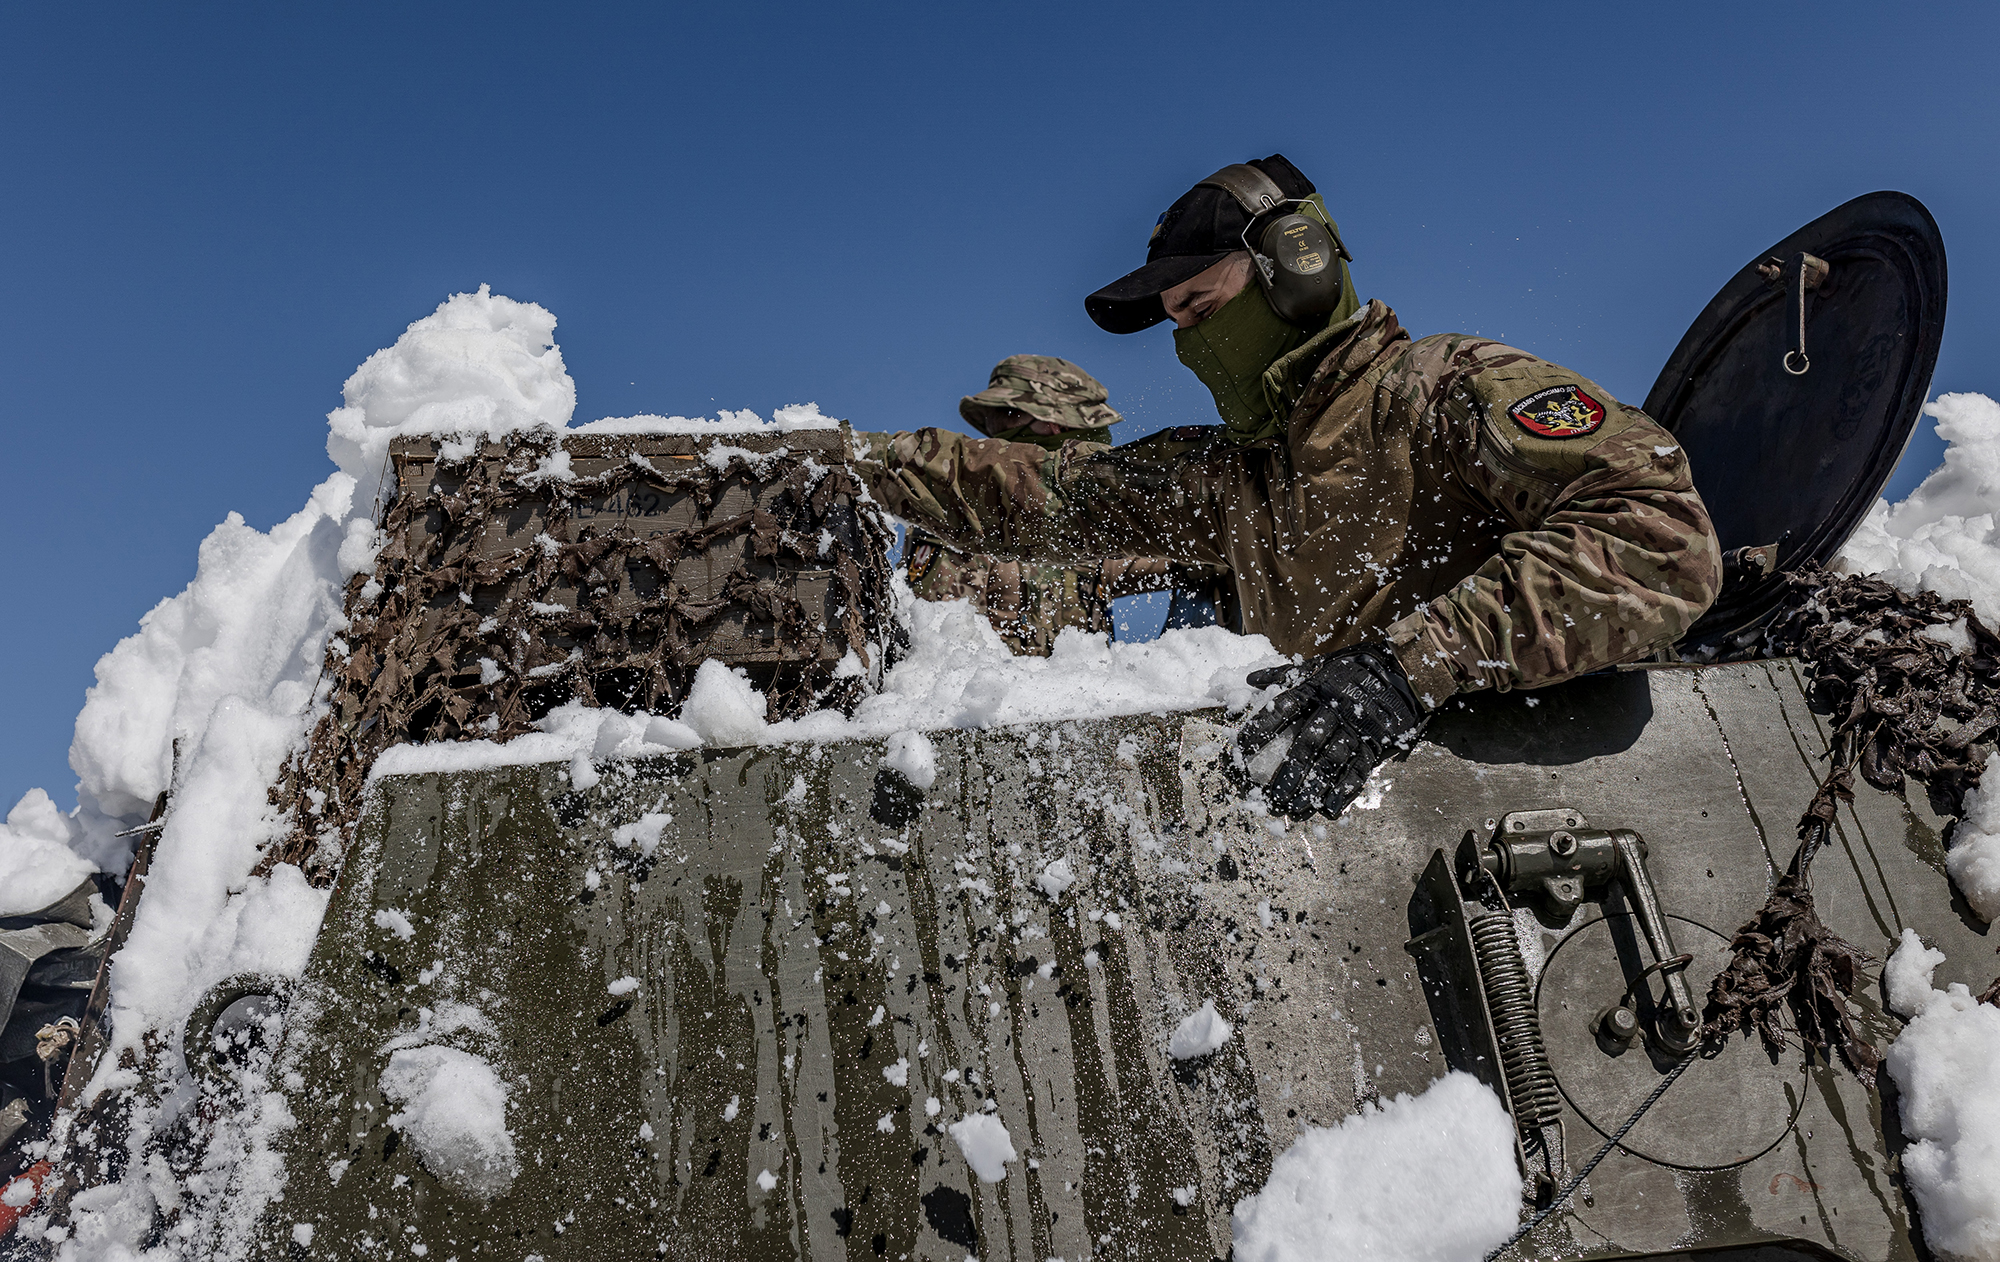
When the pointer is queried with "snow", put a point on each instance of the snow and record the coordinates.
(1368, 1187)
(479, 367)
(1974, 861)
(455, 1116)
(986, 1144)
(221, 685)
(785, 420)
(229, 669)
(1943, 536)
(958, 674)
(1055, 879)
(912, 755)
(644, 832)
(18, 1194)
(1946, 1064)
(1906, 978)
(393, 920)
(623, 986)
(569, 732)
(723, 707)
(37, 866)
(1199, 1033)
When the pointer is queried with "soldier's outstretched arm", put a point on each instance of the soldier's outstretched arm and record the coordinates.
(1081, 502)
(1614, 557)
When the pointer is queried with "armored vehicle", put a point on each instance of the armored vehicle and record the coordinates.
(805, 1001)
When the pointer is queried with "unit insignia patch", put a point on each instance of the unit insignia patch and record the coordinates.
(1558, 412)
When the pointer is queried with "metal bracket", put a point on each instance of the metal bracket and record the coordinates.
(1554, 854)
(1798, 274)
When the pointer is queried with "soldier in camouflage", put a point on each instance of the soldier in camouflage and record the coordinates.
(1047, 401)
(1418, 518)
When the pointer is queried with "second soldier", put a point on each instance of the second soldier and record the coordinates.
(1047, 401)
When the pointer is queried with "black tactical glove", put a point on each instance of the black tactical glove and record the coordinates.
(1345, 712)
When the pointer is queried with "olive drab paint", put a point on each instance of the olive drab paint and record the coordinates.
(820, 950)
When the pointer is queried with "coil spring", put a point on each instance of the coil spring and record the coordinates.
(1510, 994)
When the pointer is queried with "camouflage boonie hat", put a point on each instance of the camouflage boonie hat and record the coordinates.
(1041, 388)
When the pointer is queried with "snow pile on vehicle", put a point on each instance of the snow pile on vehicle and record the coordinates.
(454, 1111)
(1369, 1187)
(959, 673)
(1199, 1033)
(1974, 861)
(987, 1147)
(37, 866)
(1946, 1064)
(478, 368)
(1943, 537)
(228, 671)
(785, 420)
(221, 685)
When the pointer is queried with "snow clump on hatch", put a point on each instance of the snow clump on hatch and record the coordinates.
(1370, 1183)
(454, 1111)
(1199, 1033)
(1946, 1064)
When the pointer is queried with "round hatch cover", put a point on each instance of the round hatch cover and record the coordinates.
(1725, 1110)
(1797, 458)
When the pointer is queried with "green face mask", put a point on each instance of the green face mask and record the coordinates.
(1230, 350)
(1025, 434)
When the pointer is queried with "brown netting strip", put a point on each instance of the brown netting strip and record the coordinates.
(1786, 957)
(1913, 683)
(452, 638)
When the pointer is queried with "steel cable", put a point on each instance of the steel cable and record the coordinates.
(1569, 1188)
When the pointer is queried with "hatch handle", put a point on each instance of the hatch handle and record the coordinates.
(1680, 1025)
(1796, 275)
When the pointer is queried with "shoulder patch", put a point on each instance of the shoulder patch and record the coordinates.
(1558, 412)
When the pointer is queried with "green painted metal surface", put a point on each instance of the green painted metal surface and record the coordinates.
(820, 950)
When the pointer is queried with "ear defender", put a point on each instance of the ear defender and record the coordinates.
(1295, 253)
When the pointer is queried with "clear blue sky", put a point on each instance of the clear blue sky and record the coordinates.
(211, 214)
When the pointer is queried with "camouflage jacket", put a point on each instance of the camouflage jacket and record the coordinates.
(1502, 521)
(1029, 602)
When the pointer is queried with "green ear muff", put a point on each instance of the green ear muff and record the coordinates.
(1296, 253)
(1298, 259)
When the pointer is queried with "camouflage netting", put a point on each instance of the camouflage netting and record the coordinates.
(505, 588)
(1913, 681)
(1913, 685)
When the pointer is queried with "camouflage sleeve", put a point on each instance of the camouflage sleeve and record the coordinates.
(1613, 556)
(1082, 502)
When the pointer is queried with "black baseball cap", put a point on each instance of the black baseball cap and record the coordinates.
(1196, 232)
